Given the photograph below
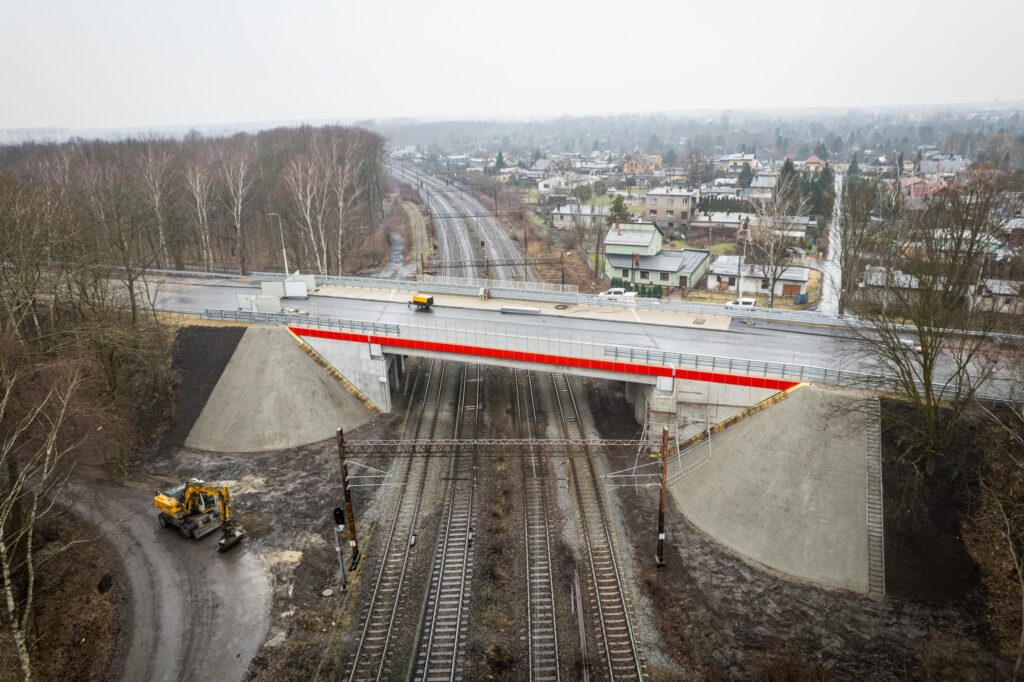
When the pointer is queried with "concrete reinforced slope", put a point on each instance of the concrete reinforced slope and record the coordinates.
(272, 396)
(787, 488)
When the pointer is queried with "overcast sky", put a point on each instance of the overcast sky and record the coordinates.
(104, 64)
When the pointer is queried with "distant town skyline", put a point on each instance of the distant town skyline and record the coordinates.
(113, 64)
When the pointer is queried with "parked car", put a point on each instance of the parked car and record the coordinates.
(910, 344)
(744, 303)
(617, 294)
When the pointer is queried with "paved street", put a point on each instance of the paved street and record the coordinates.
(761, 341)
(831, 267)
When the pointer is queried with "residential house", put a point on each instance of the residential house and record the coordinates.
(555, 182)
(733, 163)
(943, 165)
(718, 227)
(998, 295)
(730, 226)
(1013, 232)
(633, 252)
(725, 272)
(813, 165)
(575, 215)
(670, 207)
(762, 187)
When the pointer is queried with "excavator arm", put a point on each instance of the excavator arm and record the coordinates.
(222, 494)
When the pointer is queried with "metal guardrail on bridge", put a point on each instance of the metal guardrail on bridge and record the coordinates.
(334, 323)
(518, 338)
(757, 314)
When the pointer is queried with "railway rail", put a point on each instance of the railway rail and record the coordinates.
(475, 219)
(610, 612)
(371, 659)
(542, 636)
(442, 640)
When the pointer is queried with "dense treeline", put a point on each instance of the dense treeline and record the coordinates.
(217, 203)
(995, 135)
(84, 355)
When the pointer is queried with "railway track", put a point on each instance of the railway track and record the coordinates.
(542, 637)
(609, 611)
(442, 640)
(371, 659)
(497, 242)
(454, 236)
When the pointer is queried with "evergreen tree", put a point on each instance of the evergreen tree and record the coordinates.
(854, 168)
(499, 162)
(746, 176)
(618, 210)
(821, 151)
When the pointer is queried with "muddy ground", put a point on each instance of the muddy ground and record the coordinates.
(706, 615)
(721, 618)
(80, 622)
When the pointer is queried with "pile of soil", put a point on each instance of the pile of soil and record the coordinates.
(199, 357)
(81, 608)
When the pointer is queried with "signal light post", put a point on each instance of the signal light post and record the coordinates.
(350, 514)
(659, 556)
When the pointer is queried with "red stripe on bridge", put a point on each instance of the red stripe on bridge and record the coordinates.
(549, 359)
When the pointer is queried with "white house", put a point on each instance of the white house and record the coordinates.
(723, 274)
(565, 217)
(554, 183)
(998, 295)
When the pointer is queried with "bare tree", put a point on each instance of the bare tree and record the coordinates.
(768, 233)
(199, 181)
(32, 451)
(860, 200)
(350, 157)
(119, 223)
(238, 178)
(308, 179)
(154, 161)
(918, 324)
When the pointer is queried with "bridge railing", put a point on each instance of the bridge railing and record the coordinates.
(336, 324)
(775, 370)
(501, 284)
(757, 314)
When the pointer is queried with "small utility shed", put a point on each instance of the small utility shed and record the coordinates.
(723, 272)
(633, 252)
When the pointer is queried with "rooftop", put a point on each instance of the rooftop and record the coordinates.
(673, 191)
(727, 265)
(584, 209)
(630, 234)
(668, 260)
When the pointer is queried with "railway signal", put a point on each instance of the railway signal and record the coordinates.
(349, 511)
(659, 556)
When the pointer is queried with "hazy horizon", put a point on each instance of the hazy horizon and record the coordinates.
(118, 65)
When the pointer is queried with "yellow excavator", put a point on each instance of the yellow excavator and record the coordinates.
(195, 507)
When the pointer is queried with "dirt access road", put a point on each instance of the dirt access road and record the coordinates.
(187, 601)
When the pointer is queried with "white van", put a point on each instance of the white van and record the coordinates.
(744, 303)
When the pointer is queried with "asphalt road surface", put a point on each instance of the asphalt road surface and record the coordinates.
(774, 342)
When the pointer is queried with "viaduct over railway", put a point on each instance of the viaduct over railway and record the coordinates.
(370, 358)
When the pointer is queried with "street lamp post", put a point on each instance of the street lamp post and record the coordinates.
(284, 252)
